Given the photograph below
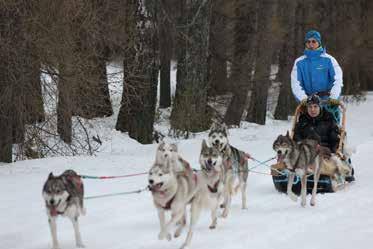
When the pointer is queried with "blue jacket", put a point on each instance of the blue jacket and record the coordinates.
(316, 71)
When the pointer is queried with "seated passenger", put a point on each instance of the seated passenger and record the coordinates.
(317, 123)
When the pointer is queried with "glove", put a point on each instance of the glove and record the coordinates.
(334, 102)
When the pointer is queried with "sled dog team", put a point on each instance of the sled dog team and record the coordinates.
(175, 185)
(177, 188)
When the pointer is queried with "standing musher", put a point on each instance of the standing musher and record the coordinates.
(317, 72)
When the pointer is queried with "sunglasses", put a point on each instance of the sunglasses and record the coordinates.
(311, 41)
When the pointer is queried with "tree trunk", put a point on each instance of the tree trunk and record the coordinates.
(140, 75)
(5, 104)
(65, 102)
(286, 101)
(189, 113)
(93, 98)
(244, 32)
(258, 103)
(165, 51)
(218, 50)
(366, 52)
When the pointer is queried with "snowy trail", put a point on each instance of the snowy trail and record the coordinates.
(339, 221)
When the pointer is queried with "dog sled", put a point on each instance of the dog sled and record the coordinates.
(326, 183)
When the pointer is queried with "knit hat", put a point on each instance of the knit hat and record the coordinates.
(313, 34)
(313, 99)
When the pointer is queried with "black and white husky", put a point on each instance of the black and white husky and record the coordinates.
(235, 165)
(63, 196)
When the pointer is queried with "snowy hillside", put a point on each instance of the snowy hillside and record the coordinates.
(339, 221)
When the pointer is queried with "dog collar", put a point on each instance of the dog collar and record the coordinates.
(53, 209)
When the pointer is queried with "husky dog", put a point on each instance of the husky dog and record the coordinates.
(208, 191)
(167, 151)
(63, 195)
(235, 165)
(170, 193)
(331, 165)
(173, 192)
(302, 158)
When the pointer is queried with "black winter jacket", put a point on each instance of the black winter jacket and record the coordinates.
(322, 128)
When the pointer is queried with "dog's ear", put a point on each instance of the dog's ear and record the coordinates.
(213, 125)
(174, 147)
(224, 129)
(160, 145)
(50, 176)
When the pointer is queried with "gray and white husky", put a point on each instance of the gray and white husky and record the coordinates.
(173, 192)
(167, 151)
(301, 159)
(63, 196)
(235, 165)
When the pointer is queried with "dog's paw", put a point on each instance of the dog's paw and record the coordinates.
(184, 246)
(177, 234)
(224, 214)
(293, 197)
(212, 226)
(313, 203)
(164, 235)
(161, 236)
(80, 245)
(55, 247)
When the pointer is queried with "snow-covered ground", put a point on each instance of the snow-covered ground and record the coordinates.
(339, 221)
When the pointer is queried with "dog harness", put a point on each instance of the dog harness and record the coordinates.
(213, 189)
(169, 203)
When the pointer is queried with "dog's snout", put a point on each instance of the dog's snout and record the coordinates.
(216, 141)
(209, 161)
(151, 181)
(279, 152)
(52, 201)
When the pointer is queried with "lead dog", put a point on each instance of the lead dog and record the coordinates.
(63, 196)
(235, 165)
